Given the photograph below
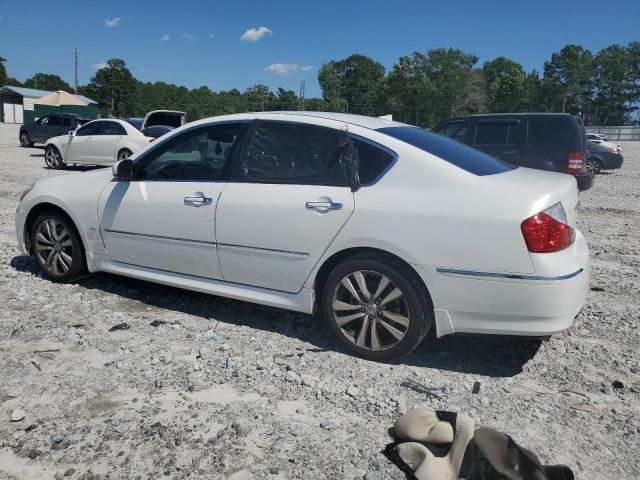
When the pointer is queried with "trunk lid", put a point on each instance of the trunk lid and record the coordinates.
(168, 118)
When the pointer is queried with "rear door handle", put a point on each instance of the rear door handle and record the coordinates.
(323, 207)
(197, 200)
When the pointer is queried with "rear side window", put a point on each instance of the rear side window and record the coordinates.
(547, 132)
(111, 128)
(292, 153)
(455, 130)
(66, 121)
(462, 156)
(496, 134)
(55, 121)
(372, 161)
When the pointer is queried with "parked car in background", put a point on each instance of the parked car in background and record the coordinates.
(545, 141)
(159, 122)
(156, 131)
(49, 126)
(376, 224)
(596, 137)
(603, 155)
(99, 142)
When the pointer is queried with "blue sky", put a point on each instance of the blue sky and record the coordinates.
(196, 43)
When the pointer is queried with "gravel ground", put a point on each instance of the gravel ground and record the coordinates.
(155, 402)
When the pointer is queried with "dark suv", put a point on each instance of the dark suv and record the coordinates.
(49, 126)
(546, 141)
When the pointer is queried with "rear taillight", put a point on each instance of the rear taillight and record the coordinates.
(548, 231)
(576, 159)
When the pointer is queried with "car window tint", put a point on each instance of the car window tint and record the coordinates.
(454, 130)
(55, 121)
(66, 121)
(43, 121)
(491, 133)
(111, 128)
(546, 132)
(467, 158)
(295, 153)
(195, 155)
(88, 129)
(372, 161)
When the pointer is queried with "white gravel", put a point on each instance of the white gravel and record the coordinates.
(157, 402)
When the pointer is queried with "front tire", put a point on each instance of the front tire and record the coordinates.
(53, 158)
(124, 154)
(24, 140)
(57, 247)
(378, 308)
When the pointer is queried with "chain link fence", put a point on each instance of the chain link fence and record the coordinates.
(616, 133)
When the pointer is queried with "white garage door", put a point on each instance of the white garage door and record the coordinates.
(13, 113)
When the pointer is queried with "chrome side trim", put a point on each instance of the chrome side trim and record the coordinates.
(288, 253)
(160, 237)
(510, 276)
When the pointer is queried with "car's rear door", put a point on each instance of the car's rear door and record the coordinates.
(164, 218)
(498, 138)
(105, 143)
(285, 201)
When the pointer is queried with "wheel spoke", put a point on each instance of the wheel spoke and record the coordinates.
(394, 294)
(66, 257)
(363, 332)
(375, 339)
(53, 228)
(384, 281)
(66, 243)
(341, 306)
(362, 285)
(63, 263)
(50, 258)
(42, 239)
(392, 330)
(349, 286)
(341, 321)
(400, 319)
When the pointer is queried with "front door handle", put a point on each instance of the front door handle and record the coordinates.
(197, 200)
(323, 207)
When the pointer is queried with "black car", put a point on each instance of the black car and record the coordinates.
(603, 155)
(49, 126)
(545, 141)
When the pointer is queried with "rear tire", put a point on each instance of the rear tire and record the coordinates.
(53, 158)
(57, 247)
(25, 141)
(594, 165)
(371, 293)
(124, 154)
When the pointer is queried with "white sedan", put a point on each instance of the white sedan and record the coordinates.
(387, 229)
(99, 142)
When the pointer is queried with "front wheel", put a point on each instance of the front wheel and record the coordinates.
(124, 154)
(378, 308)
(57, 247)
(53, 159)
(24, 140)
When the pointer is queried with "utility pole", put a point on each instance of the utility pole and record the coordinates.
(75, 67)
(35, 79)
(301, 96)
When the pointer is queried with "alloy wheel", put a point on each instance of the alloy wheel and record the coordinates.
(52, 158)
(124, 154)
(54, 247)
(593, 165)
(370, 310)
(24, 139)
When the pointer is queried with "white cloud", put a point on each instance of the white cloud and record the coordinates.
(165, 38)
(211, 35)
(112, 22)
(187, 36)
(282, 68)
(100, 66)
(306, 68)
(255, 34)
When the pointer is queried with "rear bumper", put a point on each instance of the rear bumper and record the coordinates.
(585, 181)
(510, 304)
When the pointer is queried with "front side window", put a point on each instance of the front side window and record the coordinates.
(66, 121)
(195, 155)
(455, 130)
(292, 153)
(495, 134)
(43, 121)
(467, 158)
(88, 129)
(111, 128)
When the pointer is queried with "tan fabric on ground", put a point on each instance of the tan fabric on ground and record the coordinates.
(422, 425)
(426, 466)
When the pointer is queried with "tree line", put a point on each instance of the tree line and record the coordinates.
(422, 88)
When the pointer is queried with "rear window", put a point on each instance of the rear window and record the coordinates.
(462, 156)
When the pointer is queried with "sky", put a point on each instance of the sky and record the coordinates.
(237, 44)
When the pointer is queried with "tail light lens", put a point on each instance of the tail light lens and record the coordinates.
(547, 231)
(576, 159)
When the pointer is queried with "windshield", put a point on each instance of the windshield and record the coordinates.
(469, 159)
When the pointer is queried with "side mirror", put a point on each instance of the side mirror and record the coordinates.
(123, 170)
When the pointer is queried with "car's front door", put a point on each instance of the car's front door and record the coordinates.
(164, 218)
(39, 130)
(80, 145)
(286, 199)
(498, 138)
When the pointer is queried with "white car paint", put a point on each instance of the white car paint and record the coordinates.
(460, 232)
(98, 149)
